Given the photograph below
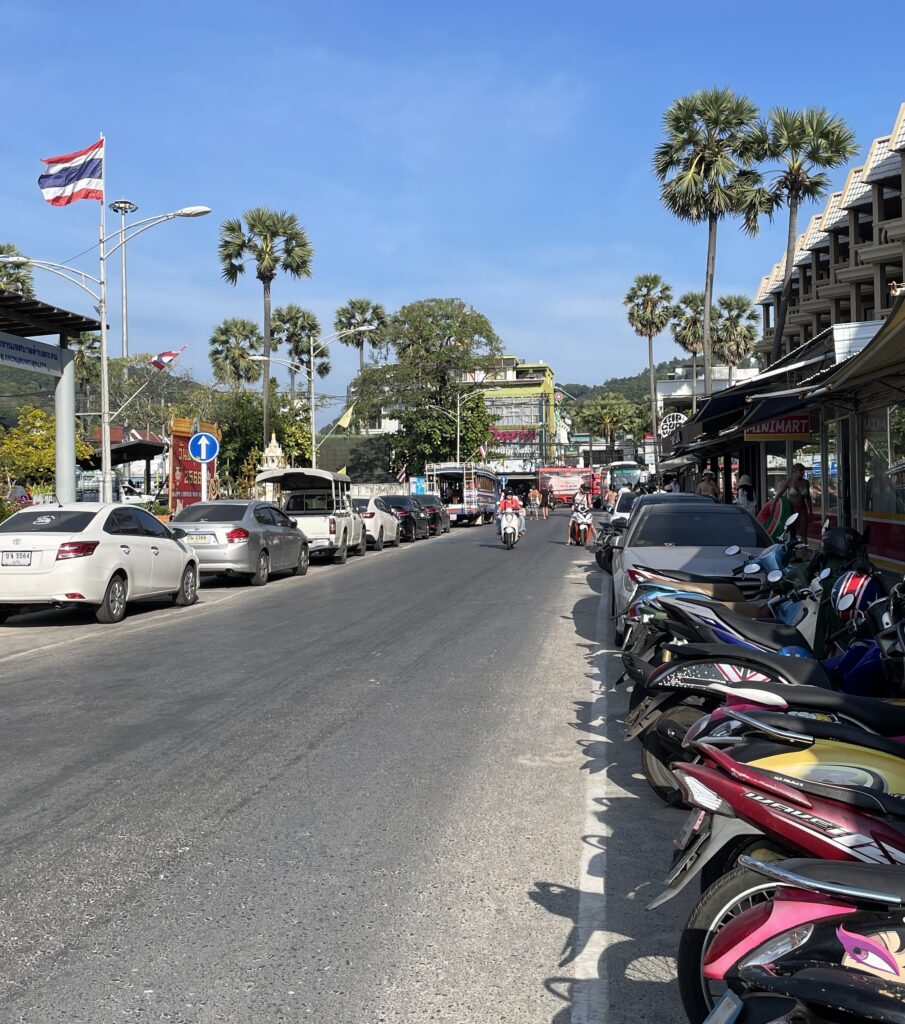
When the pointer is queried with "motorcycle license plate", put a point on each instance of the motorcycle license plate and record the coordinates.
(726, 1010)
(700, 833)
(693, 824)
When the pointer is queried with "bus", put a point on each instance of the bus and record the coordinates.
(469, 491)
(567, 480)
(629, 473)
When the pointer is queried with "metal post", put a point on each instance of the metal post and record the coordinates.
(458, 427)
(311, 418)
(106, 455)
(204, 481)
(122, 207)
(64, 425)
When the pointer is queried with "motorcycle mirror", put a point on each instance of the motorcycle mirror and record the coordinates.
(775, 576)
(845, 603)
(826, 525)
(791, 521)
(733, 549)
(825, 573)
(751, 568)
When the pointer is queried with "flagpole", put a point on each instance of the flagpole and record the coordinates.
(106, 454)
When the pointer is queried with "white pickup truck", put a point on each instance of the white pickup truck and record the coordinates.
(321, 504)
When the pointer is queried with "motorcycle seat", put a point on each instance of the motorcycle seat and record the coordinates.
(761, 631)
(832, 875)
(681, 576)
(801, 673)
(883, 717)
(841, 732)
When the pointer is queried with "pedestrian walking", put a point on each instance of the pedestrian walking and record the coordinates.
(708, 485)
(745, 496)
(534, 501)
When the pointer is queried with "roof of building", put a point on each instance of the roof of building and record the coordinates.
(833, 216)
(763, 293)
(29, 318)
(881, 162)
(897, 140)
(814, 237)
(855, 193)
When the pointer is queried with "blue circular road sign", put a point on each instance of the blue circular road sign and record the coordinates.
(203, 447)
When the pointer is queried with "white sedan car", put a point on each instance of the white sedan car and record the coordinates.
(380, 522)
(88, 553)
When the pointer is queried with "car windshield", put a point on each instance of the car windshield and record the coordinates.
(394, 502)
(229, 513)
(625, 502)
(361, 504)
(695, 527)
(47, 521)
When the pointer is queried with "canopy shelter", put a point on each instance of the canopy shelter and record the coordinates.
(127, 452)
(22, 320)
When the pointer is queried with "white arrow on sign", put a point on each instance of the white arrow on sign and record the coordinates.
(203, 445)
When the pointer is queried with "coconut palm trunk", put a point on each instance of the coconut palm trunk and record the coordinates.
(266, 386)
(653, 396)
(708, 302)
(786, 293)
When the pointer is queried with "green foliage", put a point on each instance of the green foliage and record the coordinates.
(28, 450)
(15, 279)
(361, 313)
(607, 414)
(649, 305)
(443, 347)
(295, 437)
(231, 344)
(298, 328)
(86, 348)
(736, 329)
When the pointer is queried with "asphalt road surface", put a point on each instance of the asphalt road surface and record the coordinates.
(390, 791)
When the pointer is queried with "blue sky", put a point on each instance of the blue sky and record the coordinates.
(499, 152)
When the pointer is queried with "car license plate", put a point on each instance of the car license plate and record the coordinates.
(15, 558)
(726, 1010)
(693, 824)
(200, 538)
(453, 517)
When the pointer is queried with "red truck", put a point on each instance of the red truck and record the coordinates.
(566, 480)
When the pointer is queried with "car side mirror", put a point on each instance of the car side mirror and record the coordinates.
(178, 532)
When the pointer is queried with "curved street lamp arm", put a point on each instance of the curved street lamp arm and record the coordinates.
(76, 277)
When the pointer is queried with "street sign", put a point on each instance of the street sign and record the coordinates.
(203, 447)
(504, 480)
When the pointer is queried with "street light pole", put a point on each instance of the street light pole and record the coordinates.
(312, 425)
(122, 207)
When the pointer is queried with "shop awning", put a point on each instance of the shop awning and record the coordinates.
(679, 462)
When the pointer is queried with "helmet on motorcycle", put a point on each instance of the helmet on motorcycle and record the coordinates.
(842, 542)
(863, 589)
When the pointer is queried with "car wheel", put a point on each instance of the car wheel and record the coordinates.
(187, 593)
(397, 540)
(340, 554)
(113, 607)
(362, 548)
(304, 561)
(262, 573)
(378, 544)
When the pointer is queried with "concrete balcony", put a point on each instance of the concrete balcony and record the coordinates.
(680, 390)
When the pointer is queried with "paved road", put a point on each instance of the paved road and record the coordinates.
(390, 791)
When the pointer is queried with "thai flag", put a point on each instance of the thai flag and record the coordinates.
(400, 476)
(163, 359)
(482, 451)
(74, 176)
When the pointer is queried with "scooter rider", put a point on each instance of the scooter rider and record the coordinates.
(581, 499)
(509, 502)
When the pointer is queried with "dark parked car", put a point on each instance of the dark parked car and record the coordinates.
(412, 518)
(438, 516)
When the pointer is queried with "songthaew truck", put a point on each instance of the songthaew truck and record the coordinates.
(320, 502)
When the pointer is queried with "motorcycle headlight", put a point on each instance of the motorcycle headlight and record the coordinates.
(777, 947)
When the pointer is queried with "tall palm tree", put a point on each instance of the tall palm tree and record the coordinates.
(649, 304)
(705, 170)
(299, 329)
(736, 330)
(274, 241)
(231, 343)
(361, 313)
(85, 348)
(15, 278)
(687, 325)
(805, 143)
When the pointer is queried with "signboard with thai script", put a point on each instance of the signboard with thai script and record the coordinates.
(795, 427)
(25, 354)
(185, 472)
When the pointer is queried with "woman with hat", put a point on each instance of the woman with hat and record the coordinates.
(745, 496)
(708, 485)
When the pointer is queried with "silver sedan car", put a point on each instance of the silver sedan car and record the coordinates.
(243, 538)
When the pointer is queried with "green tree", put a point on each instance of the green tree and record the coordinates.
(28, 450)
(736, 330)
(300, 329)
(687, 326)
(85, 348)
(805, 144)
(649, 305)
(705, 169)
(15, 278)
(274, 241)
(444, 349)
(361, 313)
(230, 346)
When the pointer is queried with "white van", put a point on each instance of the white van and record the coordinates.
(321, 504)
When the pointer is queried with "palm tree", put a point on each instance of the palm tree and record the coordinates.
(736, 330)
(15, 278)
(705, 171)
(649, 304)
(361, 313)
(275, 241)
(85, 349)
(230, 346)
(299, 329)
(805, 143)
(687, 327)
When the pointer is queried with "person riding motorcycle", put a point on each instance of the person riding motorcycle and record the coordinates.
(510, 503)
(581, 500)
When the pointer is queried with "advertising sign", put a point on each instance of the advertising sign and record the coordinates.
(795, 427)
(185, 472)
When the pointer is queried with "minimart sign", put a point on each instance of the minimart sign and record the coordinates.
(784, 428)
